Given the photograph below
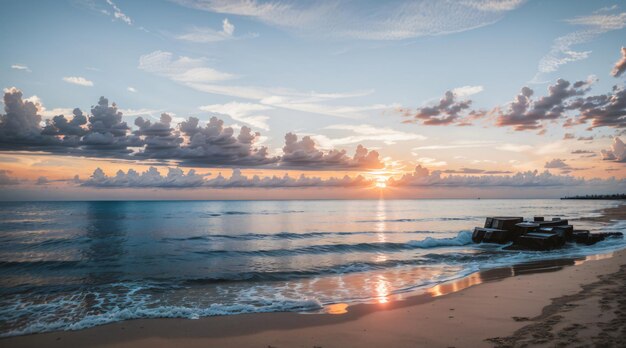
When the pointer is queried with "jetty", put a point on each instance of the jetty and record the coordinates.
(536, 234)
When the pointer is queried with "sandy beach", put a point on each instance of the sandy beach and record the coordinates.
(554, 303)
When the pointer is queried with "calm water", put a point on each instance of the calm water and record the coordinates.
(70, 265)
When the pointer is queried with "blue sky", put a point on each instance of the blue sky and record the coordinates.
(338, 71)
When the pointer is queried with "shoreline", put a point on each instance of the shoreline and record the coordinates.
(491, 307)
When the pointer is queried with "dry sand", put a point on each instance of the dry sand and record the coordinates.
(546, 304)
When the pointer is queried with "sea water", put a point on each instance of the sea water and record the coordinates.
(72, 265)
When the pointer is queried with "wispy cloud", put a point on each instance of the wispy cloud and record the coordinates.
(242, 112)
(382, 21)
(131, 89)
(118, 14)
(208, 35)
(194, 73)
(364, 132)
(562, 51)
(20, 67)
(620, 65)
(78, 80)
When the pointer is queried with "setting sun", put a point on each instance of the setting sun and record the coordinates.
(381, 184)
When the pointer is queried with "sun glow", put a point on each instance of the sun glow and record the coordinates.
(381, 184)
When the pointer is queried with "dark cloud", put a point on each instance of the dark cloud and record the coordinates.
(448, 111)
(568, 136)
(556, 164)
(589, 138)
(525, 113)
(305, 154)
(620, 65)
(581, 152)
(616, 153)
(103, 133)
(605, 110)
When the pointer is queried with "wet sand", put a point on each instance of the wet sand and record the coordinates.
(541, 304)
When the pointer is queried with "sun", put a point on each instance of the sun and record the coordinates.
(381, 184)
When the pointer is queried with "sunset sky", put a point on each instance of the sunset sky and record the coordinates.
(311, 99)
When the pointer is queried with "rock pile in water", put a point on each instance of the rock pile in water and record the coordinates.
(538, 234)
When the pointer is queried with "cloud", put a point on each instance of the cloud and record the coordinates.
(514, 147)
(176, 178)
(195, 74)
(77, 80)
(104, 133)
(620, 65)
(211, 145)
(556, 164)
(239, 180)
(466, 91)
(582, 152)
(568, 136)
(432, 162)
(209, 35)
(131, 89)
(242, 112)
(118, 14)
(20, 67)
(605, 110)
(475, 171)
(182, 69)
(459, 144)
(365, 132)
(305, 154)
(422, 177)
(524, 113)
(383, 20)
(616, 153)
(562, 52)
(6, 179)
(448, 111)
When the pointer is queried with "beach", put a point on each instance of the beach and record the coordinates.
(553, 303)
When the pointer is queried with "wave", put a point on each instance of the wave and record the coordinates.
(285, 235)
(138, 309)
(420, 219)
(463, 238)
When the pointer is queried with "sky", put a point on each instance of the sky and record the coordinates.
(211, 99)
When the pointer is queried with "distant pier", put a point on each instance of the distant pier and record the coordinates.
(611, 197)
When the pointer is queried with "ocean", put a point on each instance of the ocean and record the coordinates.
(73, 265)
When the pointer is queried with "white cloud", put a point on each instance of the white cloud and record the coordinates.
(131, 89)
(466, 91)
(617, 152)
(514, 147)
(118, 14)
(208, 35)
(20, 67)
(77, 80)
(242, 112)
(383, 20)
